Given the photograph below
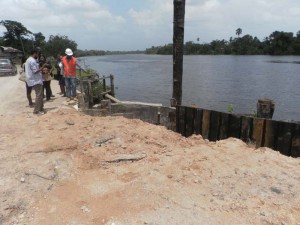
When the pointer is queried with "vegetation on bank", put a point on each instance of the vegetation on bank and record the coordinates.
(19, 37)
(277, 43)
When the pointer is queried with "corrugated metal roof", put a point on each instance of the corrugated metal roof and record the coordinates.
(10, 49)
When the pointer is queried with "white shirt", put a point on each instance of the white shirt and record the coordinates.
(61, 66)
(33, 75)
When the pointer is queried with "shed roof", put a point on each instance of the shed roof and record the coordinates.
(10, 49)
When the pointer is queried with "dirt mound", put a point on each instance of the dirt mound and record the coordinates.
(69, 168)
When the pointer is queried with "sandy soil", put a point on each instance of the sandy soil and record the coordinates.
(68, 168)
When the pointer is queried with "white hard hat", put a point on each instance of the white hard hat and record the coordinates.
(69, 52)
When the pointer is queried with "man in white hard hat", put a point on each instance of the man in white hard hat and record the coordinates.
(69, 67)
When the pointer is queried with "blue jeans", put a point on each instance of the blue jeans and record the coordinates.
(70, 86)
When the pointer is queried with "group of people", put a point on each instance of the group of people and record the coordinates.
(39, 75)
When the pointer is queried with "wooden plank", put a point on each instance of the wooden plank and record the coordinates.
(258, 131)
(198, 121)
(295, 150)
(270, 134)
(284, 139)
(246, 128)
(205, 123)
(189, 118)
(223, 134)
(234, 128)
(214, 125)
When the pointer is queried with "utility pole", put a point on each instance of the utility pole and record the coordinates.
(178, 40)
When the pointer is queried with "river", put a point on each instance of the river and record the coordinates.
(212, 82)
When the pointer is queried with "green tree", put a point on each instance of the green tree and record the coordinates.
(296, 46)
(238, 32)
(1, 41)
(39, 40)
(281, 43)
(16, 33)
(57, 45)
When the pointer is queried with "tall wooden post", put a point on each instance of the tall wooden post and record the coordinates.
(112, 85)
(178, 40)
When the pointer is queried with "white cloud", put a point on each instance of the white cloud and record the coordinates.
(70, 5)
(150, 22)
(158, 14)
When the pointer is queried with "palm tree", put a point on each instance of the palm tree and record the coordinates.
(238, 32)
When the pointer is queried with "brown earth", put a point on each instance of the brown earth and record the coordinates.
(68, 168)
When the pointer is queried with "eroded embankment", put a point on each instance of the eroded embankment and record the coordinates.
(69, 168)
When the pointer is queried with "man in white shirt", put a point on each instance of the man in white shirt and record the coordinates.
(34, 80)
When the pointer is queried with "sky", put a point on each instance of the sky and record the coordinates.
(139, 24)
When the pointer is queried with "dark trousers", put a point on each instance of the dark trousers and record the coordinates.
(47, 88)
(28, 94)
(39, 105)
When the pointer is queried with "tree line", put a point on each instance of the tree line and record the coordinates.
(277, 43)
(19, 37)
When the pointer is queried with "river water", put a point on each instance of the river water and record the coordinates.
(211, 82)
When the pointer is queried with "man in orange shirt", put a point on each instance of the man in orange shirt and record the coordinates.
(69, 67)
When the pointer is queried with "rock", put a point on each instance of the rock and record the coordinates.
(85, 209)
(70, 122)
(276, 190)
(22, 180)
(170, 176)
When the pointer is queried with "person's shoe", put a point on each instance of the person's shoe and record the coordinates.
(52, 96)
(40, 113)
(68, 99)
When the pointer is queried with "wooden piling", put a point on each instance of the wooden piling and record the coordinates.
(284, 138)
(189, 118)
(246, 128)
(205, 123)
(104, 84)
(258, 131)
(91, 98)
(223, 134)
(180, 110)
(281, 136)
(112, 85)
(270, 134)
(265, 108)
(295, 149)
(234, 129)
(198, 121)
(178, 40)
(214, 125)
